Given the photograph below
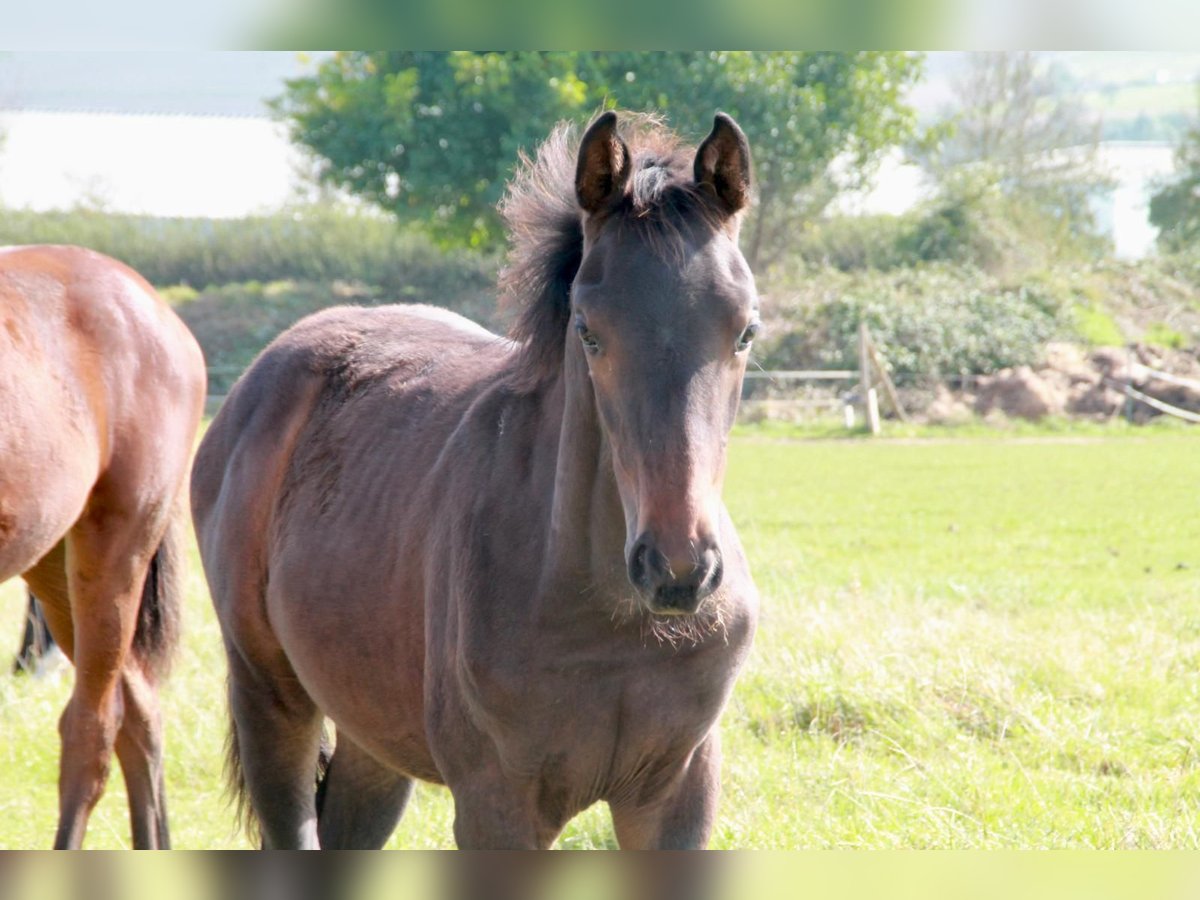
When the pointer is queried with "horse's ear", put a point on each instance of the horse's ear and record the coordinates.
(603, 167)
(723, 163)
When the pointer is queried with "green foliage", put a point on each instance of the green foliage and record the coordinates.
(1097, 328)
(1155, 300)
(969, 221)
(799, 110)
(934, 320)
(1175, 207)
(851, 243)
(944, 319)
(432, 136)
(1163, 335)
(973, 219)
(304, 244)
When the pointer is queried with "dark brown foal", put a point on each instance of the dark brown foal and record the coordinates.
(522, 539)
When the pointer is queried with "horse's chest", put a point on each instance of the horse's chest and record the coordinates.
(590, 729)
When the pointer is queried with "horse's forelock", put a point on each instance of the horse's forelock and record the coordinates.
(545, 229)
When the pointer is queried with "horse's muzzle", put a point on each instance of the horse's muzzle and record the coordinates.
(674, 586)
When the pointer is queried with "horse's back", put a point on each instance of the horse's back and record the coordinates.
(98, 376)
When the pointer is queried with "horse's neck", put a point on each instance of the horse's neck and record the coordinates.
(587, 526)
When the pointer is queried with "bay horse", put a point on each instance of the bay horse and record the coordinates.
(102, 389)
(523, 539)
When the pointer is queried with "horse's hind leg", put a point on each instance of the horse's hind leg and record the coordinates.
(276, 742)
(107, 557)
(359, 802)
(140, 751)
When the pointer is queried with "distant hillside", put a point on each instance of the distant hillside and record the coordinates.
(1141, 96)
(223, 83)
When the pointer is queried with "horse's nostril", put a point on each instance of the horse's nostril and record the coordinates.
(637, 564)
(714, 570)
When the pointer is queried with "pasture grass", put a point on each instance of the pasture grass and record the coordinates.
(979, 642)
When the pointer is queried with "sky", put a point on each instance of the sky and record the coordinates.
(159, 165)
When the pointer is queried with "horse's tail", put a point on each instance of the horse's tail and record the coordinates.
(235, 780)
(160, 613)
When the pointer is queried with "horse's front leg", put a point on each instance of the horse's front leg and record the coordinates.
(681, 815)
(495, 811)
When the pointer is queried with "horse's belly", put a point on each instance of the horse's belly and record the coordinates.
(403, 751)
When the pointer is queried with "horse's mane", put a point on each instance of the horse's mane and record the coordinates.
(545, 230)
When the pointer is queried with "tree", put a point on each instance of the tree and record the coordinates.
(800, 110)
(429, 135)
(1019, 131)
(432, 136)
(1175, 207)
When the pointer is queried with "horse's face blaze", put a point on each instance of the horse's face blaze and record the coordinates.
(665, 328)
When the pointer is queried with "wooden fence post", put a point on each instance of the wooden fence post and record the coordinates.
(865, 390)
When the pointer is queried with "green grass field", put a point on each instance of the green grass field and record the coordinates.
(966, 642)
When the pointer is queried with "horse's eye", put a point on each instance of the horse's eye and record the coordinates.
(590, 343)
(747, 336)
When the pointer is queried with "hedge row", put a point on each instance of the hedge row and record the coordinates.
(948, 320)
(305, 244)
(240, 282)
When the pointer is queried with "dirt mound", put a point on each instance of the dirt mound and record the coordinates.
(948, 407)
(1021, 393)
(1075, 382)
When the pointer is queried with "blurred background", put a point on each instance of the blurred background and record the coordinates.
(1016, 229)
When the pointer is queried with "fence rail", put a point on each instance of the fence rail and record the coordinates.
(803, 374)
(1159, 375)
(1134, 394)
(873, 372)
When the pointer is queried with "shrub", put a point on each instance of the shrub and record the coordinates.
(970, 221)
(973, 221)
(933, 320)
(851, 243)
